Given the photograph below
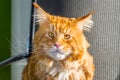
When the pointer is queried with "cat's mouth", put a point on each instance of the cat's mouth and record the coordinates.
(58, 51)
(58, 54)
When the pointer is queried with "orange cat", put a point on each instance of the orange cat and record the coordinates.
(60, 49)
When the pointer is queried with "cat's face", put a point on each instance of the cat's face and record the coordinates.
(60, 37)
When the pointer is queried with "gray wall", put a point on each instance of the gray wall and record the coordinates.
(21, 13)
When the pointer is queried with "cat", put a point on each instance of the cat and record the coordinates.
(60, 49)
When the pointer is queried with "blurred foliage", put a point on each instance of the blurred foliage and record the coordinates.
(5, 27)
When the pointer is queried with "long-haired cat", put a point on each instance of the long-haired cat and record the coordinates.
(60, 49)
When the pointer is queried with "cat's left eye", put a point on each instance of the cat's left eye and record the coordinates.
(51, 34)
(67, 36)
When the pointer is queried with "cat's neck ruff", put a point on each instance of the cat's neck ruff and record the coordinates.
(64, 70)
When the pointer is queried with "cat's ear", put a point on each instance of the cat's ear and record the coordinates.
(41, 15)
(85, 23)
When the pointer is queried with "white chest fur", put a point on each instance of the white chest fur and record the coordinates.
(68, 71)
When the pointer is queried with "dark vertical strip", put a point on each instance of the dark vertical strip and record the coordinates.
(5, 26)
(31, 29)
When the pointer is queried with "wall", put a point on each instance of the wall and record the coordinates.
(21, 13)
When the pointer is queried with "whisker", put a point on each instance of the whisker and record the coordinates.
(10, 46)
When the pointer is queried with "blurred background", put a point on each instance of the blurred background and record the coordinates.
(104, 37)
(5, 28)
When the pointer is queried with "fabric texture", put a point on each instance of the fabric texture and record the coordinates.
(104, 36)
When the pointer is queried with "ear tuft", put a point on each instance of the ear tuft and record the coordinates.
(41, 15)
(85, 23)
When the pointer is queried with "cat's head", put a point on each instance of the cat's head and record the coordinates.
(60, 37)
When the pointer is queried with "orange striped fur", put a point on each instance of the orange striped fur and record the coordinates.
(60, 49)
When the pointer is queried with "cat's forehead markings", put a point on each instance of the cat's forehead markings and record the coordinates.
(61, 24)
(56, 19)
(59, 27)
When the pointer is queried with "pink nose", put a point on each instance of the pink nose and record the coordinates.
(57, 45)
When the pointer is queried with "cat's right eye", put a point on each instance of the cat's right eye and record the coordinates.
(51, 34)
(67, 36)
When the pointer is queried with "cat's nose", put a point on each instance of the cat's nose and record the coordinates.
(57, 45)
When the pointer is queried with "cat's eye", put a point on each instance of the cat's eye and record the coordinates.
(51, 34)
(67, 36)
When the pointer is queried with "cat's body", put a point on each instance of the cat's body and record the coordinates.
(60, 49)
